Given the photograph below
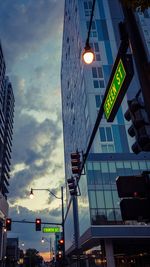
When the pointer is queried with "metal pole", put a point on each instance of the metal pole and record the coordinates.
(63, 228)
(140, 57)
(50, 248)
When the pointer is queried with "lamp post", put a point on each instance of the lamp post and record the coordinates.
(50, 245)
(88, 53)
(62, 210)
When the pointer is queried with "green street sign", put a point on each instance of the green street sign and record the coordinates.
(51, 229)
(119, 81)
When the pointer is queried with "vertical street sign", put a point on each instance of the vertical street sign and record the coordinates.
(118, 84)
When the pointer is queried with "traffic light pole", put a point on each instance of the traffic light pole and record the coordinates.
(63, 228)
(139, 54)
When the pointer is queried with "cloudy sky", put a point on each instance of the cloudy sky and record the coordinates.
(31, 38)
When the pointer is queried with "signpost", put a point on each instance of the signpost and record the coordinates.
(51, 229)
(119, 81)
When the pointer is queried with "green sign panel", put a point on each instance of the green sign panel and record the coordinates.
(51, 229)
(114, 89)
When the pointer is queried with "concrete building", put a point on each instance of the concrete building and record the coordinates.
(96, 228)
(6, 125)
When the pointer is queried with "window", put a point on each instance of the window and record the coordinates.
(98, 101)
(106, 134)
(97, 72)
(109, 134)
(93, 32)
(98, 58)
(102, 134)
(98, 84)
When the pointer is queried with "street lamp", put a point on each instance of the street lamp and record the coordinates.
(50, 245)
(88, 53)
(62, 209)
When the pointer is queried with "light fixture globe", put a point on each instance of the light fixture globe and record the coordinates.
(88, 55)
(31, 194)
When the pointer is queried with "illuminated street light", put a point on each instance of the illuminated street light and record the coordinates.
(42, 240)
(31, 194)
(88, 54)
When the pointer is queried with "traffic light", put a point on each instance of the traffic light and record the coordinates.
(135, 194)
(60, 245)
(8, 224)
(140, 128)
(72, 185)
(38, 224)
(76, 163)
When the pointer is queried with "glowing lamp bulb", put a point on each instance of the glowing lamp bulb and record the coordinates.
(88, 55)
(31, 194)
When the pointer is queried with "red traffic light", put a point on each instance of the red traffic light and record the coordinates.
(8, 224)
(38, 224)
(61, 241)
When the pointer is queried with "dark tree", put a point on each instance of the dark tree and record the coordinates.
(139, 5)
(32, 258)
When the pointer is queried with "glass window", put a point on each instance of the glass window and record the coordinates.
(102, 134)
(93, 25)
(112, 167)
(90, 177)
(119, 164)
(85, 5)
(111, 148)
(135, 165)
(110, 215)
(96, 166)
(101, 83)
(109, 134)
(104, 148)
(98, 58)
(148, 164)
(96, 47)
(116, 199)
(100, 73)
(108, 199)
(118, 215)
(104, 167)
(98, 101)
(90, 4)
(89, 166)
(142, 165)
(94, 72)
(96, 84)
(92, 198)
(127, 165)
(100, 199)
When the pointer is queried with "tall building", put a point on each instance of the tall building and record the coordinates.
(96, 228)
(6, 126)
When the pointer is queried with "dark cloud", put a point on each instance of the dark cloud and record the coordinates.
(25, 26)
(29, 147)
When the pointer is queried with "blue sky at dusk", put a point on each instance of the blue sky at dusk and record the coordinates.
(31, 38)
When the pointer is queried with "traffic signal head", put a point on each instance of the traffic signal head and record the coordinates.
(133, 186)
(8, 224)
(140, 127)
(72, 186)
(38, 224)
(76, 163)
(60, 244)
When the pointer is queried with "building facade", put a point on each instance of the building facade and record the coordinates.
(95, 225)
(6, 131)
